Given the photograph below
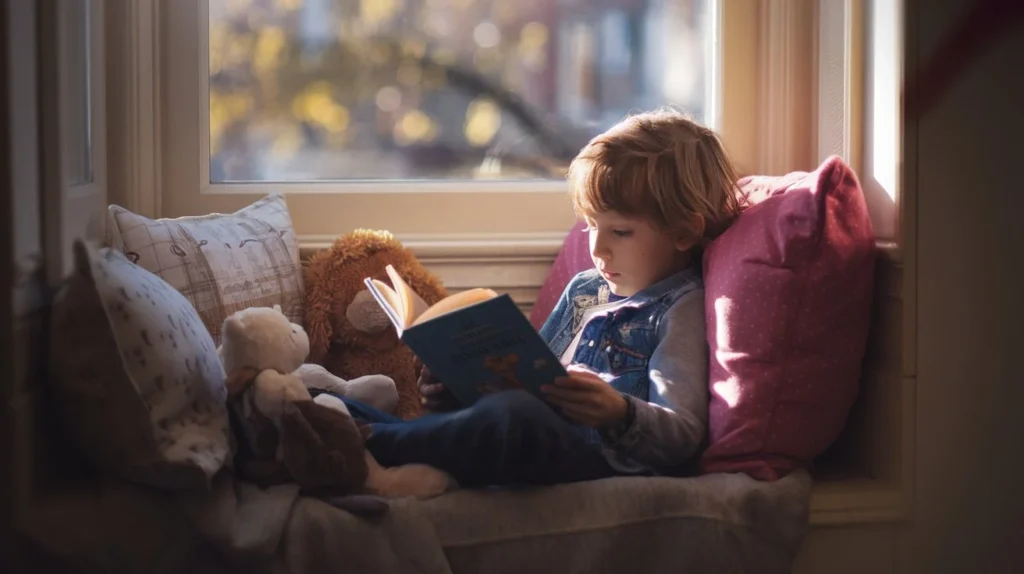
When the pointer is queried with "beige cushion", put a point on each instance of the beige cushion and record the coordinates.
(222, 263)
(720, 523)
(137, 379)
(711, 523)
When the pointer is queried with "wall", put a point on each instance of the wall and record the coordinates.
(6, 265)
(963, 191)
(21, 246)
(970, 514)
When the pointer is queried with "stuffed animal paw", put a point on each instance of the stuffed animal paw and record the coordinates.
(377, 391)
(417, 480)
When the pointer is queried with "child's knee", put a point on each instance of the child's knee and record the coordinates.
(514, 406)
(517, 399)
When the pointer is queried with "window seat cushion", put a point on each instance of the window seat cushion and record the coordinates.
(712, 523)
(719, 523)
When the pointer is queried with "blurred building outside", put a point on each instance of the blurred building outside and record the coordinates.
(326, 90)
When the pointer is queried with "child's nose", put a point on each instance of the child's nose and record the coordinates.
(599, 248)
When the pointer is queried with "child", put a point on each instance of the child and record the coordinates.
(652, 189)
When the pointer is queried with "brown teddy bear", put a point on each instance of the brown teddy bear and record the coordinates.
(349, 333)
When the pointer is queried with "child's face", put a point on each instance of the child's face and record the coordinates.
(631, 253)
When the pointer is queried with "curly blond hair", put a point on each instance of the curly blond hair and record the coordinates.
(663, 166)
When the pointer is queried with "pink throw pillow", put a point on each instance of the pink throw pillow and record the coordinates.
(573, 258)
(788, 292)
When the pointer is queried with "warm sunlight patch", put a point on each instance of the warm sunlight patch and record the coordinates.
(728, 390)
(723, 306)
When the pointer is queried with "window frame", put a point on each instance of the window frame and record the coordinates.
(764, 102)
(70, 206)
(157, 59)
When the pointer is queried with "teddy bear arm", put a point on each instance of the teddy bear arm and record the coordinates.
(378, 391)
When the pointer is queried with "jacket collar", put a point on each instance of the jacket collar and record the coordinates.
(690, 274)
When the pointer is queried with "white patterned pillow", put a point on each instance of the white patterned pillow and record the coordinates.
(137, 376)
(222, 263)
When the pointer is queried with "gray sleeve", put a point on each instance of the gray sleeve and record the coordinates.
(668, 428)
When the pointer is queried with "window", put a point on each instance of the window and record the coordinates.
(441, 120)
(883, 81)
(329, 90)
(448, 120)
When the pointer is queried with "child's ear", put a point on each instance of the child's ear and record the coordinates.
(694, 232)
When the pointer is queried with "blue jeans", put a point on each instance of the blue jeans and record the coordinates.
(507, 438)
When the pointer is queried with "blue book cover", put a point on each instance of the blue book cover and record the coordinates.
(475, 342)
(483, 348)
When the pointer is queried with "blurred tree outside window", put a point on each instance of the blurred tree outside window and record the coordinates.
(333, 90)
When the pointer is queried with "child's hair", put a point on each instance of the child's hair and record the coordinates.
(660, 165)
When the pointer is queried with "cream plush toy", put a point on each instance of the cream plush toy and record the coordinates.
(285, 435)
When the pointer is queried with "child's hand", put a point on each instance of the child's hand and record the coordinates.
(434, 396)
(587, 399)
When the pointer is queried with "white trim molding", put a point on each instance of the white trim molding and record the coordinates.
(513, 263)
(133, 103)
(465, 245)
(786, 107)
(840, 80)
(133, 45)
(766, 82)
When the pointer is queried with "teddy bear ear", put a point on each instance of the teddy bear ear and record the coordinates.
(232, 327)
(277, 307)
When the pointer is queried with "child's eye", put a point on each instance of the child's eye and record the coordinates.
(622, 232)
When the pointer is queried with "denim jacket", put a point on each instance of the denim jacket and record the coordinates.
(652, 349)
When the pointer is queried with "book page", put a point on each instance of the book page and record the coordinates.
(388, 300)
(412, 305)
(455, 302)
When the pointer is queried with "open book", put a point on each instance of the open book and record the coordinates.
(476, 341)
